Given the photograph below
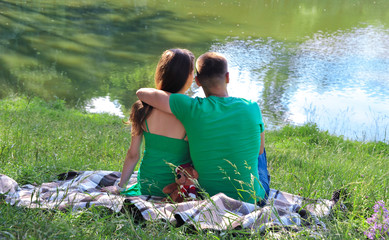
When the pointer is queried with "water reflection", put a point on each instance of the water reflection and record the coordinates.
(343, 82)
(80, 46)
(296, 58)
(339, 81)
(105, 105)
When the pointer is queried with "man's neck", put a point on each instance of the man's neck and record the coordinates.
(216, 92)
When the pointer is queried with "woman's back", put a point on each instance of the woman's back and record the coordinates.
(165, 149)
(164, 124)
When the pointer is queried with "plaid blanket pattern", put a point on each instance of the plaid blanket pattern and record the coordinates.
(75, 190)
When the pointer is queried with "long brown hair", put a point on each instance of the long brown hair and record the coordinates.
(171, 75)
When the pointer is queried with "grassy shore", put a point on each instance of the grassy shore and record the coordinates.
(39, 140)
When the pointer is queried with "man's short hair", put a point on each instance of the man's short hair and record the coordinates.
(211, 65)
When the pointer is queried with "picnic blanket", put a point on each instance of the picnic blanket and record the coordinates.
(78, 190)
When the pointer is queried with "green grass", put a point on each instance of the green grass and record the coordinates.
(39, 140)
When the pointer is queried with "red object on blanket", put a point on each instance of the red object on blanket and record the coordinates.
(189, 191)
(185, 186)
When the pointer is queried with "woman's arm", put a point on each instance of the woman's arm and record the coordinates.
(156, 98)
(132, 158)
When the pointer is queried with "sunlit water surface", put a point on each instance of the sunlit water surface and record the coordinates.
(339, 81)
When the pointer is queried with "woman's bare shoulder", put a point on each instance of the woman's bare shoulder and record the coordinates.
(165, 124)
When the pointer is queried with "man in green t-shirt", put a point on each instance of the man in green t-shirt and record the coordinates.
(225, 134)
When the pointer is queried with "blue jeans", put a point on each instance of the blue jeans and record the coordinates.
(264, 176)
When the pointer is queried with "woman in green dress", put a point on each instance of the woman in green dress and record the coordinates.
(166, 145)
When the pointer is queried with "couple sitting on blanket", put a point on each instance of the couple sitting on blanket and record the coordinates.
(225, 134)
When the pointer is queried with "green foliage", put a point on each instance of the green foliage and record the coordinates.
(39, 140)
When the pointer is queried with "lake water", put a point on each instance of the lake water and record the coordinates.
(325, 62)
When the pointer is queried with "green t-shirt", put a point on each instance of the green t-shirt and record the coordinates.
(224, 141)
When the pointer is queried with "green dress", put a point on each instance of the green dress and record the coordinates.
(161, 156)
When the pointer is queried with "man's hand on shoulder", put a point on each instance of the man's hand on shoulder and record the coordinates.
(156, 98)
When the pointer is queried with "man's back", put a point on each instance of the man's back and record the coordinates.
(224, 140)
